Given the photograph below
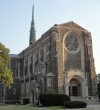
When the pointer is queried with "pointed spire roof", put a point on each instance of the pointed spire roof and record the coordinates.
(32, 29)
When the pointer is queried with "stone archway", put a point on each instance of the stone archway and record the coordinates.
(75, 87)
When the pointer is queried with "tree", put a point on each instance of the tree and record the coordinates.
(5, 73)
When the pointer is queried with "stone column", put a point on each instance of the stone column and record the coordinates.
(67, 89)
(86, 86)
(24, 79)
(84, 89)
(33, 63)
(43, 86)
(66, 86)
(18, 69)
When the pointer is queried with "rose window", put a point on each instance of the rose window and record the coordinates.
(71, 43)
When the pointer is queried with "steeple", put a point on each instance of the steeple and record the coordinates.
(32, 29)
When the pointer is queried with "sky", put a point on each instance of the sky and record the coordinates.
(16, 15)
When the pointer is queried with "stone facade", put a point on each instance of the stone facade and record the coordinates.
(61, 61)
(12, 94)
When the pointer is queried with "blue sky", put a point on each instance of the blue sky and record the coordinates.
(15, 19)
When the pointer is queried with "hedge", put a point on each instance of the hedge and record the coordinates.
(53, 99)
(75, 104)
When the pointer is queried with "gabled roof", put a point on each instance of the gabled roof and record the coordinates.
(71, 24)
(50, 75)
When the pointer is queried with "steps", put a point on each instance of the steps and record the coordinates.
(89, 100)
(93, 102)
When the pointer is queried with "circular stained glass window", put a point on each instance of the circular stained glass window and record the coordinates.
(71, 43)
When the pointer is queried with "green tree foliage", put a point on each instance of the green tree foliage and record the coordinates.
(5, 73)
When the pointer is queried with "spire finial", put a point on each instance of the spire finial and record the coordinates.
(32, 30)
(33, 13)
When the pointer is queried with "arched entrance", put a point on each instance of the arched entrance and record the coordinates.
(75, 87)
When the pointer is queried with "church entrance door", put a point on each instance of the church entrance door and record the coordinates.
(74, 91)
(74, 87)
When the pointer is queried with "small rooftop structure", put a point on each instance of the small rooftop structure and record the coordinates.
(50, 75)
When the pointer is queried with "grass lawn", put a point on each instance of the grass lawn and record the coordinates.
(26, 107)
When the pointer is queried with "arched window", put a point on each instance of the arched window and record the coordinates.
(14, 90)
(49, 82)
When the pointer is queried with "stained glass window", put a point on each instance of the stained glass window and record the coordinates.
(71, 43)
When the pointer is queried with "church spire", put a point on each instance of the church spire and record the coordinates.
(32, 29)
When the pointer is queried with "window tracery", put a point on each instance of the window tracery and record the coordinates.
(71, 43)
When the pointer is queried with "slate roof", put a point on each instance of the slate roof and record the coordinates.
(15, 56)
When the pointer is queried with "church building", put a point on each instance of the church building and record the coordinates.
(60, 61)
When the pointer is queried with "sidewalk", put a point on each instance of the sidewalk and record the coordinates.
(89, 107)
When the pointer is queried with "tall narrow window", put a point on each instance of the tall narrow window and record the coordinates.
(49, 82)
(14, 90)
(30, 66)
(26, 67)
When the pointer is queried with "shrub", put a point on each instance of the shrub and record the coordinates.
(75, 104)
(53, 99)
(26, 101)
